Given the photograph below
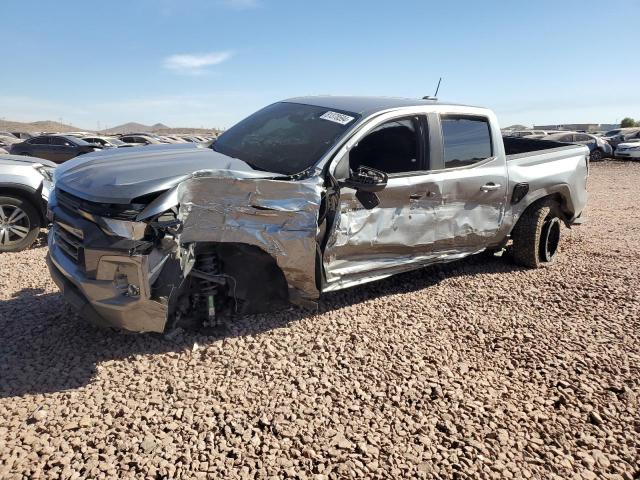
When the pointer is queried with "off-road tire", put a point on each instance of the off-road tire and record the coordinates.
(34, 224)
(532, 246)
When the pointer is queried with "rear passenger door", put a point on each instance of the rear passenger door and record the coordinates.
(471, 173)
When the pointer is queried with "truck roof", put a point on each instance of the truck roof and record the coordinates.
(365, 105)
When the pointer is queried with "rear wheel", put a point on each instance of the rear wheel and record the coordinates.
(19, 224)
(536, 236)
(596, 155)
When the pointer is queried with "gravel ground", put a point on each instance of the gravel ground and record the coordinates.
(478, 369)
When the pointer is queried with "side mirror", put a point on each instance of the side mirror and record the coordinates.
(366, 181)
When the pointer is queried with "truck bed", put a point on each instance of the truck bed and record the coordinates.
(515, 147)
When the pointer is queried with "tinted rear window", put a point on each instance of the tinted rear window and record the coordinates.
(467, 140)
(285, 138)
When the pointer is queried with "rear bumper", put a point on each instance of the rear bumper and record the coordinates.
(103, 301)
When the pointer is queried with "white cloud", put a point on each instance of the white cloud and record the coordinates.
(195, 63)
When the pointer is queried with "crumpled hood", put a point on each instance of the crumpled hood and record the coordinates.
(120, 175)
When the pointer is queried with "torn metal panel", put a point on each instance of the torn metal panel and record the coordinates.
(280, 217)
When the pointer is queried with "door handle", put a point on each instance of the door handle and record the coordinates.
(490, 187)
(416, 196)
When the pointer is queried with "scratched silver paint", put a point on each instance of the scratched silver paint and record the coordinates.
(280, 217)
(443, 222)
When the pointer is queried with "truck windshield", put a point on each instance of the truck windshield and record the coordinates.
(285, 138)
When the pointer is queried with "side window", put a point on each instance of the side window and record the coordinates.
(467, 140)
(61, 142)
(393, 147)
(40, 141)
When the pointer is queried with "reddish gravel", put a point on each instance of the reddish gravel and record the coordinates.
(477, 369)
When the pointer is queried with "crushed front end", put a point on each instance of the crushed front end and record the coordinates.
(107, 265)
(212, 247)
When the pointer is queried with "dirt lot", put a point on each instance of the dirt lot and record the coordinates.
(478, 369)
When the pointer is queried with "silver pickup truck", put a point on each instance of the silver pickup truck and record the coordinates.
(305, 196)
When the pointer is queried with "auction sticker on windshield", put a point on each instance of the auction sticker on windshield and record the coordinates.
(336, 117)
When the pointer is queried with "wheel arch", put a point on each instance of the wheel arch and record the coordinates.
(258, 280)
(25, 192)
(559, 195)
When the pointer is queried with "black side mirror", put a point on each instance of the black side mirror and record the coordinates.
(366, 181)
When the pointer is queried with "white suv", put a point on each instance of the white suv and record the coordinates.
(24, 190)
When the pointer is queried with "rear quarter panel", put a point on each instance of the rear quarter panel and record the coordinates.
(562, 171)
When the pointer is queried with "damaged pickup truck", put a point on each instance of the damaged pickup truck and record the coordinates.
(306, 196)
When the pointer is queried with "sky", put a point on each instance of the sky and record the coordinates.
(193, 63)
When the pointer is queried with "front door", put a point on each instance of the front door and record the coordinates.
(400, 231)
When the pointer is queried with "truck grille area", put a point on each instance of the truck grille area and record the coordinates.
(111, 210)
(69, 242)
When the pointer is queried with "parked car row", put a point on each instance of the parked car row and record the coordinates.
(62, 147)
(618, 143)
(153, 139)
(598, 147)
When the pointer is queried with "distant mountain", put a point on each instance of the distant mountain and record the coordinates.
(131, 127)
(159, 128)
(37, 127)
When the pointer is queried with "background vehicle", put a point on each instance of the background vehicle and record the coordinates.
(107, 142)
(24, 189)
(141, 139)
(349, 190)
(57, 148)
(7, 141)
(598, 147)
(628, 150)
(22, 135)
(632, 137)
(614, 137)
(175, 139)
(525, 133)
